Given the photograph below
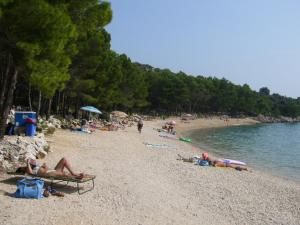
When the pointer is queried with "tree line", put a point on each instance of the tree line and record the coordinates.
(55, 56)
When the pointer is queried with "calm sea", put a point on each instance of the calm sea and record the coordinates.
(274, 148)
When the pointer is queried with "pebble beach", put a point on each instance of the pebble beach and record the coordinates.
(137, 184)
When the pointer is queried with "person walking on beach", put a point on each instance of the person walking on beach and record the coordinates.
(140, 125)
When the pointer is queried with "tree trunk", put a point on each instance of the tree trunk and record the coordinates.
(63, 105)
(29, 97)
(58, 103)
(44, 106)
(4, 82)
(49, 108)
(68, 105)
(39, 104)
(7, 102)
(77, 108)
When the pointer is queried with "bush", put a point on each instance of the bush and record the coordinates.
(39, 129)
(50, 130)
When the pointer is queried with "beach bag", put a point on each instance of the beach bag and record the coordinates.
(203, 162)
(30, 188)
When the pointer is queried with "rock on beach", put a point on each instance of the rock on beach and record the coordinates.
(14, 150)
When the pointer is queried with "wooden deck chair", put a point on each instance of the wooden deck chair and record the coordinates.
(60, 179)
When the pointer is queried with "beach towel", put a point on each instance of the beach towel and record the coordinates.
(185, 139)
(168, 136)
(158, 145)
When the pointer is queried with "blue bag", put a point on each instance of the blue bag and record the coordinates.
(203, 162)
(30, 188)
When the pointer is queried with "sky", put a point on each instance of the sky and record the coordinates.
(256, 42)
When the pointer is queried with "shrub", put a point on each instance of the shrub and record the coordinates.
(50, 130)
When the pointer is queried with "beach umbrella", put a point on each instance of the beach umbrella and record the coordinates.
(91, 109)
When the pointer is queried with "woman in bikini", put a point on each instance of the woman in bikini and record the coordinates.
(36, 169)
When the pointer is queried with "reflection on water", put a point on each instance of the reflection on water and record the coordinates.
(271, 147)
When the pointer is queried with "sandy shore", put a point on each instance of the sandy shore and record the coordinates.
(183, 127)
(139, 185)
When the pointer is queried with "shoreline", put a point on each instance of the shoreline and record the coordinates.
(184, 131)
(214, 122)
(137, 184)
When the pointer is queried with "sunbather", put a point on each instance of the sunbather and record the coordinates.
(191, 159)
(212, 162)
(221, 163)
(36, 169)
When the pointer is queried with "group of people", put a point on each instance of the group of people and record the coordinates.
(84, 127)
(169, 126)
(206, 159)
(64, 168)
(35, 168)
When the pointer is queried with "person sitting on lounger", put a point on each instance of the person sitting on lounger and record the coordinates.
(34, 168)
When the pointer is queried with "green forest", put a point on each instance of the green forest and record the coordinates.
(56, 57)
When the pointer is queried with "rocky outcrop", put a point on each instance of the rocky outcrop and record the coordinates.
(51, 122)
(14, 150)
(54, 122)
(270, 119)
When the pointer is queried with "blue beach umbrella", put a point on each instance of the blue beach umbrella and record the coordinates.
(91, 109)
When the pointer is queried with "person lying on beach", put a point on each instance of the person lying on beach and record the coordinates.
(212, 162)
(191, 159)
(85, 129)
(221, 163)
(34, 168)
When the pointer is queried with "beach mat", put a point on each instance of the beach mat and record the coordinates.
(151, 145)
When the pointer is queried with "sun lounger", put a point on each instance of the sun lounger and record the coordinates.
(60, 179)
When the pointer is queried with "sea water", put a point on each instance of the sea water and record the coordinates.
(274, 148)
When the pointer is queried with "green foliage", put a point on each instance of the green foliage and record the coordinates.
(132, 86)
(264, 91)
(87, 69)
(62, 49)
(41, 33)
(47, 77)
(50, 130)
(2, 4)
